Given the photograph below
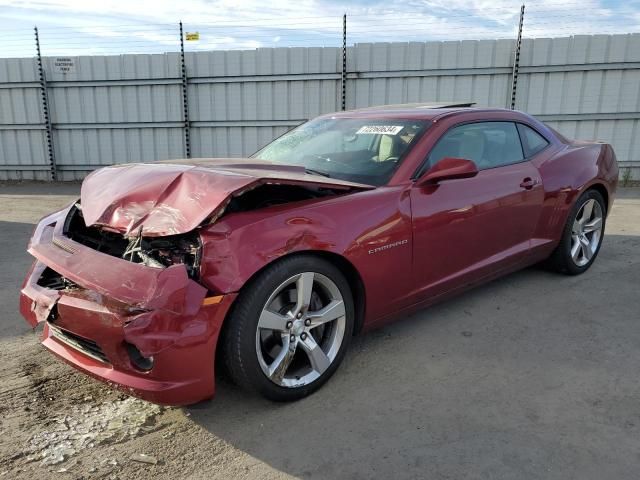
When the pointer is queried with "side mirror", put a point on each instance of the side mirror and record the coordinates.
(448, 168)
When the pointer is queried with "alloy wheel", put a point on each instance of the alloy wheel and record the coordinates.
(300, 329)
(586, 232)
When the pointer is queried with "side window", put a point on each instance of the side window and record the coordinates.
(487, 144)
(532, 141)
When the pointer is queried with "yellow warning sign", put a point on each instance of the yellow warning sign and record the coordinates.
(192, 36)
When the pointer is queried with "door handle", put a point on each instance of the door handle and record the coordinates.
(528, 183)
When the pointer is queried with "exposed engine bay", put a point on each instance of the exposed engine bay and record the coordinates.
(185, 249)
(268, 195)
(158, 252)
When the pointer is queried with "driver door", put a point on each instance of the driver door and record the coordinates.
(467, 229)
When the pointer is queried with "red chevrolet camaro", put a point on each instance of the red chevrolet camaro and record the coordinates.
(271, 264)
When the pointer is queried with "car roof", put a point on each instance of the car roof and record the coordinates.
(422, 106)
(422, 111)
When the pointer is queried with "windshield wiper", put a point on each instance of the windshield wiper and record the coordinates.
(316, 172)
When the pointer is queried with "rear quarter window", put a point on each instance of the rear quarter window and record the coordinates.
(488, 144)
(532, 141)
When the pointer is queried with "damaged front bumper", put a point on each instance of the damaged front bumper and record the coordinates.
(150, 331)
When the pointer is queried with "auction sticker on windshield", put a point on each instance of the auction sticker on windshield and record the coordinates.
(379, 129)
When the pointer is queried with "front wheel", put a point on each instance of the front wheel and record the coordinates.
(290, 328)
(582, 235)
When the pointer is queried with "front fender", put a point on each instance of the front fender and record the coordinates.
(239, 245)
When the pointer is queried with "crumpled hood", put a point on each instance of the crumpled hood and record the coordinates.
(170, 198)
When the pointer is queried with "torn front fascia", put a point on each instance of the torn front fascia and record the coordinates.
(149, 331)
(152, 309)
(37, 302)
(133, 284)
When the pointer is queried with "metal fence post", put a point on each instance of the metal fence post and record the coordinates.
(185, 100)
(343, 81)
(45, 110)
(516, 61)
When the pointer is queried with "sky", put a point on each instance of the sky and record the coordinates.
(86, 27)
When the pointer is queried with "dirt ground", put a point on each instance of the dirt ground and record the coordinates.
(532, 376)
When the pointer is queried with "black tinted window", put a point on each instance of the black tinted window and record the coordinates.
(532, 141)
(488, 144)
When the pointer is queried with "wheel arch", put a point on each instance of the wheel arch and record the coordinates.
(602, 190)
(354, 278)
(578, 192)
(347, 268)
(558, 258)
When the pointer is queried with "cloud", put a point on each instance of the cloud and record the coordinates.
(114, 26)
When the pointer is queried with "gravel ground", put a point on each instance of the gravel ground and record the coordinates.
(531, 376)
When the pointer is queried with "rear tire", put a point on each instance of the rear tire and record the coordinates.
(290, 328)
(582, 235)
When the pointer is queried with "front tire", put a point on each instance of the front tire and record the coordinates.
(582, 235)
(290, 328)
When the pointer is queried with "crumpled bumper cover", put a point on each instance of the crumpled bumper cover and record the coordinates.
(118, 304)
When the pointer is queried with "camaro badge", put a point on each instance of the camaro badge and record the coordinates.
(388, 246)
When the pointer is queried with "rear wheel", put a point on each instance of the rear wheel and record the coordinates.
(582, 235)
(290, 328)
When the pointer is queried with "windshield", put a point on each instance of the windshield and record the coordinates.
(354, 149)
